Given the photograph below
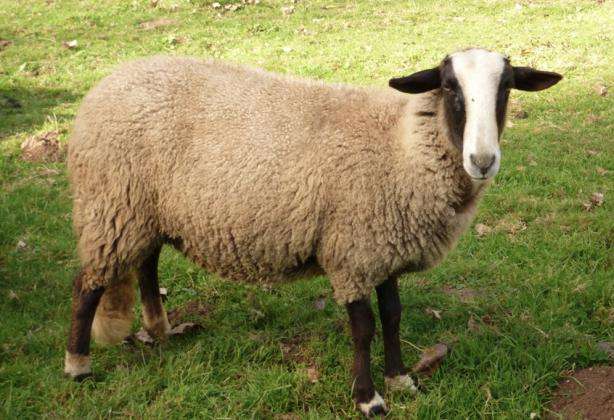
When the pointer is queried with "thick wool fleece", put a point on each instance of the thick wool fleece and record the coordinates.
(261, 177)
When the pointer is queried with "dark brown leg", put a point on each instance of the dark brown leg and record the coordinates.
(84, 303)
(154, 315)
(389, 303)
(362, 323)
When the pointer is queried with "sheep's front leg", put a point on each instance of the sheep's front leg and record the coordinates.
(84, 303)
(363, 329)
(389, 303)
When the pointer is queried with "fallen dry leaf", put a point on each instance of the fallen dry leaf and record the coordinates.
(143, 336)
(595, 200)
(71, 45)
(287, 10)
(185, 327)
(591, 152)
(42, 148)
(157, 23)
(482, 229)
(175, 40)
(4, 43)
(511, 226)
(312, 374)
(520, 114)
(433, 312)
(431, 359)
(233, 7)
(600, 89)
(601, 171)
(13, 295)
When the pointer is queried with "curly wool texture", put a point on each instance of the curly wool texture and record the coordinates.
(263, 177)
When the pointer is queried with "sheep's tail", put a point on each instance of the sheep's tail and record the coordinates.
(115, 313)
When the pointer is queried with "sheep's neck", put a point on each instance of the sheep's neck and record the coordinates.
(431, 167)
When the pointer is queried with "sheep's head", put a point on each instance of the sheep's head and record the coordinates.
(474, 86)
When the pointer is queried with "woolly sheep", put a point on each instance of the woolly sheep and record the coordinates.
(263, 178)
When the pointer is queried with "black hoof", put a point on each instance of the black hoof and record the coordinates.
(378, 410)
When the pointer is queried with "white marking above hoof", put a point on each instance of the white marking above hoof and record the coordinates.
(401, 383)
(77, 365)
(374, 407)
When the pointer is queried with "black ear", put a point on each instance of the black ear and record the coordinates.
(526, 78)
(419, 82)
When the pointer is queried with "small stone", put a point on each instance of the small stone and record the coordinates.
(71, 45)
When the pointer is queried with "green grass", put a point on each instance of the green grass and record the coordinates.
(548, 289)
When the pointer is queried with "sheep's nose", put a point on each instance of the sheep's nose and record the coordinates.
(482, 161)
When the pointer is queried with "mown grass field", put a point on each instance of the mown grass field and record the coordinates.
(538, 288)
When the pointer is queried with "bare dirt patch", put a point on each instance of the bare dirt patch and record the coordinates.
(587, 394)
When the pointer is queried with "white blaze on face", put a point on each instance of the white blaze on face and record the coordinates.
(479, 72)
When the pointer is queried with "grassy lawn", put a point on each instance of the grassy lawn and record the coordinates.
(521, 306)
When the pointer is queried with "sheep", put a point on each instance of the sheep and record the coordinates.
(260, 177)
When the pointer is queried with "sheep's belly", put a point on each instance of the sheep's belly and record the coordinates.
(244, 266)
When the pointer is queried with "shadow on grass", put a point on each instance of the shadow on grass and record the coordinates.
(24, 108)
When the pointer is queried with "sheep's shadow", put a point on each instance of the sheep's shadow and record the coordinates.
(25, 108)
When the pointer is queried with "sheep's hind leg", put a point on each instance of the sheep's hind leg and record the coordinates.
(362, 323)
(77, 362)
(155, 319)
(395, 374)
